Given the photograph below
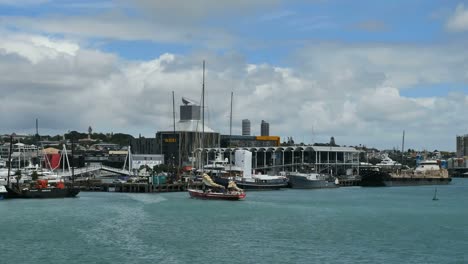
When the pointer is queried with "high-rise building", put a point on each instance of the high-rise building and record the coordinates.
(246, 127)
(264, 128)
(462, 146)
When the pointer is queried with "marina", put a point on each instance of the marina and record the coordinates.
(237, 132)
(301, 226)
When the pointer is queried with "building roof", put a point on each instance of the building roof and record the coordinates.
(334, 149)
(50, 151)
(290, 148)
(191, 126)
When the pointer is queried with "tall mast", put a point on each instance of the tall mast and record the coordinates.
(230, 135)
(72, 160)
(174, 129)
(230, 123)
(37, 143)
(203, 117)
(402, 148)
(9, 159)
(173, 111)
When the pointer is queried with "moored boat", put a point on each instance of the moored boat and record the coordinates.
(244, 178)
(299, 180)
(44, 189)
(256, 182)
(428, 172)
(3, 192)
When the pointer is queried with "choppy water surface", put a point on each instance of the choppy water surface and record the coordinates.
(345, 225)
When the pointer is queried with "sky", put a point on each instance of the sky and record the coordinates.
(361, 71)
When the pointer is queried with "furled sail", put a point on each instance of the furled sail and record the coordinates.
(209, 182)
(233, 186)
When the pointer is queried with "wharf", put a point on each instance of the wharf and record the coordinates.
(349, 182)
(133, 187)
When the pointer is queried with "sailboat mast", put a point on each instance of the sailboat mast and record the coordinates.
(230, 123)
(174, 129)
(173, 111)
(9, 159)
(230, 136)
(37, 142)
(203, 117)
(402, 148)
(72, 160)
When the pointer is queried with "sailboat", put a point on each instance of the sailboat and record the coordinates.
(45, 188)
(435, 195)
(212, 190)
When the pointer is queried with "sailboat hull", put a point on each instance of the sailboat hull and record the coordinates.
(43, 193)
(378, 178)
(199, 194)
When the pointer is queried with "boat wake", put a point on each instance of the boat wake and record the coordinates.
(146, 198)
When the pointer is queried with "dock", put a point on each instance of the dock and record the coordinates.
(349, 182)
(97, 186)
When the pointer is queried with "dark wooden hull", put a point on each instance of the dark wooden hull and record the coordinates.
(199, 194)
(384, 179)
(43, 193)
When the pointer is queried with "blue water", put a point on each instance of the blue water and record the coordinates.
(344, 225)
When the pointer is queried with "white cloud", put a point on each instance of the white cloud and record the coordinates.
(350, 92)
(37, 48)
(458, 21)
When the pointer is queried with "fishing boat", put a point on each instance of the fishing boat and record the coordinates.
(214, 191)
(299, 180)
(44, 189)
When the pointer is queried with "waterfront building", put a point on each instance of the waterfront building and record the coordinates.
(142, 145)
(178, 144)
(22, 154)
(462, 146)
(264, 128)
(149, 160)
(325, 159)
(246, 127)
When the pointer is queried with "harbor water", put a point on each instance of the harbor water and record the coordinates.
(343, 225)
